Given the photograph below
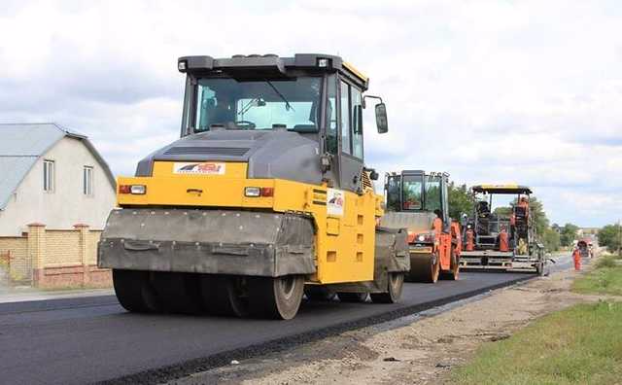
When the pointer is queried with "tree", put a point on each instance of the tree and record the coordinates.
(550, 239)
(609, 236)
(541, 222)
(460, 201)
(568, 234)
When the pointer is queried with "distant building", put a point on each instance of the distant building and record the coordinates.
(52, 176)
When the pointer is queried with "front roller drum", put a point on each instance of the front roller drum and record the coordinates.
(225, 295)
(177, 292)
(424, 268)
(134, 291)
(276, 298)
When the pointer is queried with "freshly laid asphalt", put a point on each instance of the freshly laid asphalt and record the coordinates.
(93, 339)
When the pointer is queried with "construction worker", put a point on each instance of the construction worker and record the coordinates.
(577, 259)
(470, 243)
(503, 240)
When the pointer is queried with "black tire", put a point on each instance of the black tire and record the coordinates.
(276, 298)
(454, 268)
(134, 290)
(319, 293)
(424, 268)
(225, 295)
(394, 290)
(353, 297)
(178, 292)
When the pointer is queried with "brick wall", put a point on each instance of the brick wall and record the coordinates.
(55, 258)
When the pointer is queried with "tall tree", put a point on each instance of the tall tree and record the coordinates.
(568, 234)
(609, 236)
(550, 239)
(541, 222)
(460, 201)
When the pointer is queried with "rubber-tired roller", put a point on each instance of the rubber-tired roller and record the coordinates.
(265, 197)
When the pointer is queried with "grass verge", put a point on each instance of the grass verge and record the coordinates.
(606, 278)
(579, 345)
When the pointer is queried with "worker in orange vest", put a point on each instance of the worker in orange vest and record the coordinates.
(576, 256)
(470, 244)
(503, 240)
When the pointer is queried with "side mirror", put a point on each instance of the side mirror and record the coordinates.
(381, 118)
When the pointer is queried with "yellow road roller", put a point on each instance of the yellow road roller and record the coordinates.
(263, 199)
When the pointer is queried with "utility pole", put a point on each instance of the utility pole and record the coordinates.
(619, 239)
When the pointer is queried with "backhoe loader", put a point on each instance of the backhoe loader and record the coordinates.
(264, 196)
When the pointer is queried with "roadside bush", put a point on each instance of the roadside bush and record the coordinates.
(606, 262)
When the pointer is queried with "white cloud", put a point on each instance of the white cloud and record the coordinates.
(525, 91)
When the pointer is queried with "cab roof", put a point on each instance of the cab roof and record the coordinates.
(271, 65)
(501, 189)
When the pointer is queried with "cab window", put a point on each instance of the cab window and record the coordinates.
(357, 122)
(433, 193)
(412, 193)
(331, 114)
(345, 119)
(393, 193)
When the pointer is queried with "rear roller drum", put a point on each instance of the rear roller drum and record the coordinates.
(134, 290)
(394, 290)
(178, 292)
(454, 268)
(353, 297)
(424, 268)
(277, 298)
(225, 295)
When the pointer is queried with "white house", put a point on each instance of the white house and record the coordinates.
(52, 176)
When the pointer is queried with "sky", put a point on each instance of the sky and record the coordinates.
(489, 91)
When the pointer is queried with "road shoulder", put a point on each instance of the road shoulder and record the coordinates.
(421, 352)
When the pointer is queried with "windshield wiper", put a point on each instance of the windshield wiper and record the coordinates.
(249, 105)
(287, 105)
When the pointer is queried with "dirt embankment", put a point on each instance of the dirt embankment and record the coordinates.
(421, 352)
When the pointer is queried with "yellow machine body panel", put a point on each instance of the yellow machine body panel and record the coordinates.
(345, 222)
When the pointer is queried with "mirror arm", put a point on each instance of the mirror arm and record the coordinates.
(370, 97)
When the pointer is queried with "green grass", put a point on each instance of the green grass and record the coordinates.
(606, 278)
(579, 345)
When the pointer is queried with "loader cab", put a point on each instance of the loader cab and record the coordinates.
(319, 97)
(417, 191)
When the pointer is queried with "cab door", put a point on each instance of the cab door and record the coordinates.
(350, 137)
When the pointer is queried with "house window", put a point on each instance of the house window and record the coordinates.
(49, 173)
(87, 180)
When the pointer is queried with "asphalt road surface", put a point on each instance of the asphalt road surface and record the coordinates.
(85, 340)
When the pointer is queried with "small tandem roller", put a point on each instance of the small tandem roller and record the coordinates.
(264, 197)
(417, 201)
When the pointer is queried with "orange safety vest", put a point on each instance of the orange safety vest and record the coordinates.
(576, 256)
(503, 241)
(470, 243)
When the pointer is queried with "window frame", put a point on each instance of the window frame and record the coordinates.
(350, 84)
(343, 82)
(49, 176)
(88, 189)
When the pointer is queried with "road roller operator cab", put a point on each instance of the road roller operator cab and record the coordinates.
(418, 201)
(264, 196)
